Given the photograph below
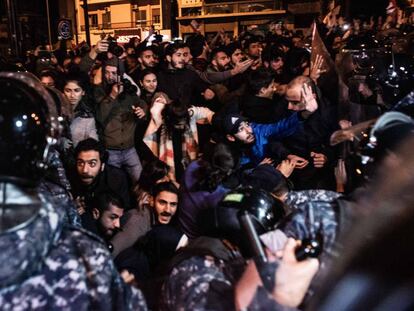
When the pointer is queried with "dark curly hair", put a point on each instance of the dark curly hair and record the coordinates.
(151, 173)
(217, 164)
(174, 114)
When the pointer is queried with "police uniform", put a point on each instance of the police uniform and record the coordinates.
(50, 265)
(206, 282)
(296, 198)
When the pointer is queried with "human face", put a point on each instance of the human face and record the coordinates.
(111, 74)
(255, 49)
(149, 82)
(177, 60)
(277, 65)
(237, 56)
(245, 133)
(187, 55)
(165, 204)
(131, 62)
(73, 93)
(297, 42)
(47, 81)
(268, 91)
(88, 166)
(66, 63)
(221, 61)
(295, 100)
(109, 220)
(147, 59)
(130, 51)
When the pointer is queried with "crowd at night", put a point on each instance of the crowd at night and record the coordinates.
(272, 170)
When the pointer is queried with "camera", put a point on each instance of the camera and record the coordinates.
(45, 56)
(128, 88)
(310, 248)
(114, 48)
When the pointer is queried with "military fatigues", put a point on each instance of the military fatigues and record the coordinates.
(49, 265)
(207, 283)
(61, 200)
(326, 220)
(199, 283)
(57, 187)
(296, 198)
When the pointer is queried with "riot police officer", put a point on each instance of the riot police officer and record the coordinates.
(46, 263)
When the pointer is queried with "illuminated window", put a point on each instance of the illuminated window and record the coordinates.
(156, 16)
(93, 20)
(106, 19)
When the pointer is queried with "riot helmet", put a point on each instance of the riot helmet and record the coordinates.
(388, 132)
(28, 127)
(366, 53)
(222, 221)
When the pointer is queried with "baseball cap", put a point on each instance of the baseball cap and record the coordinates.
(231, 123)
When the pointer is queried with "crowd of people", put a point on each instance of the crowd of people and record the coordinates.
(149, 175)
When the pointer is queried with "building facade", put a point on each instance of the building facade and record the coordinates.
(25, 25)
(120, 18)
(210, 16)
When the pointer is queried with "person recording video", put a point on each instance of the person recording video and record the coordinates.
(119, 109)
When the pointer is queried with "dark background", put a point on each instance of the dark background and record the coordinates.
(367, 7)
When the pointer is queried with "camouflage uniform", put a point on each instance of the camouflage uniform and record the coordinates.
(207, 283)
(57, 186)
(314, 213)
(296, 198)
(61, 200)
(327, 221)
(49, 265)
(199, 283)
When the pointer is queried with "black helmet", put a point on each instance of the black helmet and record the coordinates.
(222, 221)
(389, 131)
(28, 127)
(366, 53)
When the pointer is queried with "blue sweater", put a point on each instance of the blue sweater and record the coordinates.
(263, 132)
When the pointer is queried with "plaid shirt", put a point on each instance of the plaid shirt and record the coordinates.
(161, 144)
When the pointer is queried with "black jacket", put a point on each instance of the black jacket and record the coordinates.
(314, 136)
(261, 110)
(184, 85)
(112, 178)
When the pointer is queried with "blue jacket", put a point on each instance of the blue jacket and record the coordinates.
(263, 132)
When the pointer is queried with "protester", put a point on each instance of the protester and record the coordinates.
(93, 174)
(187, 126)
(82, 123)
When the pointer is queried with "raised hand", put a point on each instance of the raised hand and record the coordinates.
(309, 99)
(242, 66)
(316, 68)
